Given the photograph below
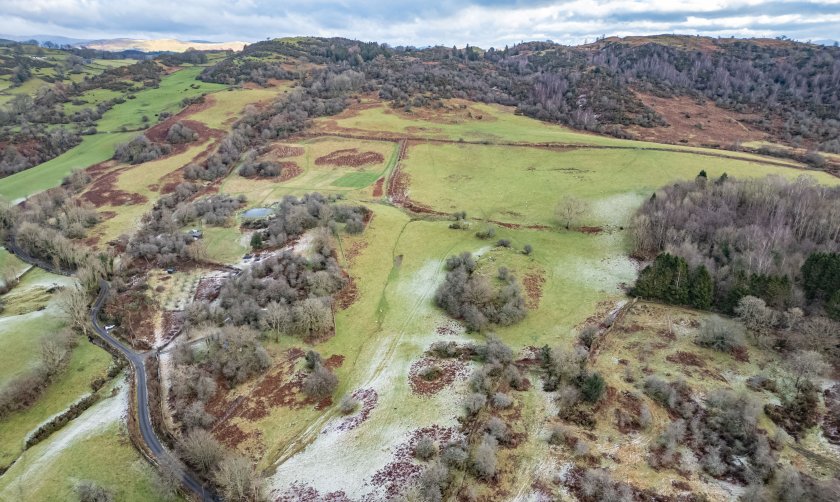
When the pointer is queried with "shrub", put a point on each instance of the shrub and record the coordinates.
(468, 296)
(140, 150)
(454, 455)
(201, 450)
(501, 400)
(592, 387)
(474, 402)
(320, 383)
(487, 233)
(503, 243)
(557, 435)
(179, 133)
(425, 448)
(717, 334)
(348, 405)
(528, 249)
(89, 491)
(498, 429)
(484, 458)
(239, 480)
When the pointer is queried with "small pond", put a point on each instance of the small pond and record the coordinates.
(257, 212)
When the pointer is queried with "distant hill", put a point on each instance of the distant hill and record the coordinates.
(160, 45)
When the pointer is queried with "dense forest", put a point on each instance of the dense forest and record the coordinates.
(795, 87)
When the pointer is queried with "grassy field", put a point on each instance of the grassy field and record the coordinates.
(94, 447)
(92, 150)
(324, 178)
(99, 147)
(483, 123)
(173, 88)
(32, 314)
(226, 107)
(397, 262)
(523, 185)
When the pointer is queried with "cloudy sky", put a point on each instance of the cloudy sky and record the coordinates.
(420, 22)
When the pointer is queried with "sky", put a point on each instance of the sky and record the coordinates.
(485, 23)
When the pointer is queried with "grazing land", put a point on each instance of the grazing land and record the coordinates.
(344, 286)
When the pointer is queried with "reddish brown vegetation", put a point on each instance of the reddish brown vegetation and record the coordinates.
(694, 122)
(347, 296)
(208, 288)
(831, 422)
(377, 187)
(686, 358)
(590, 230)
(533, 283)
(103, 191)
(349, 157)
(449, 370)
(173, 322)
(284, 151)
(304, 493)
(402, 470)
(368, 399)
(354, 250)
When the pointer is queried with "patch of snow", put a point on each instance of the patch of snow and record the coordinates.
(616, 209)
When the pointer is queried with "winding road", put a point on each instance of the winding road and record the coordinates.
(189, 481)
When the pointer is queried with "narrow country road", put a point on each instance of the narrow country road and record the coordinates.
(136, 359)
(189, 480)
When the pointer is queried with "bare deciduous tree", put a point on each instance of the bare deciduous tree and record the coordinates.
(569, 210)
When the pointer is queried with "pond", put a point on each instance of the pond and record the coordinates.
(257, 212)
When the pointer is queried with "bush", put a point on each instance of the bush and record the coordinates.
(201, 450)
(320, 383)
(501, 400)
(454, 455)
(140, 150)
(593, 387)
(487, 233)
(717, 334)
(179, 133)
(474, 402)
(528, 249)
(348, 405)
(484, 458)
(470, 297)
(557, 435)
(425, 448)
(89, 491)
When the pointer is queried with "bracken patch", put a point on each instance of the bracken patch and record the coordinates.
(349, 157)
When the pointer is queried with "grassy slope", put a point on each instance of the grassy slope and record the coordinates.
(497, 124)
(20, 337)
(99, 147)
(523, 185)
(322, 178)
(151, 102)
(105, 455)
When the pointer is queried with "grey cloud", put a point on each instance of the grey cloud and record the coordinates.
(479, 22)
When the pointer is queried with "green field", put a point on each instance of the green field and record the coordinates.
(523, 185)
(100, 147)
(93, 447)
(92, 150)
(324, 178)
(173, 88)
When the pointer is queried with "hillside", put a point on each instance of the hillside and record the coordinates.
(160, 45)
(358, 272)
